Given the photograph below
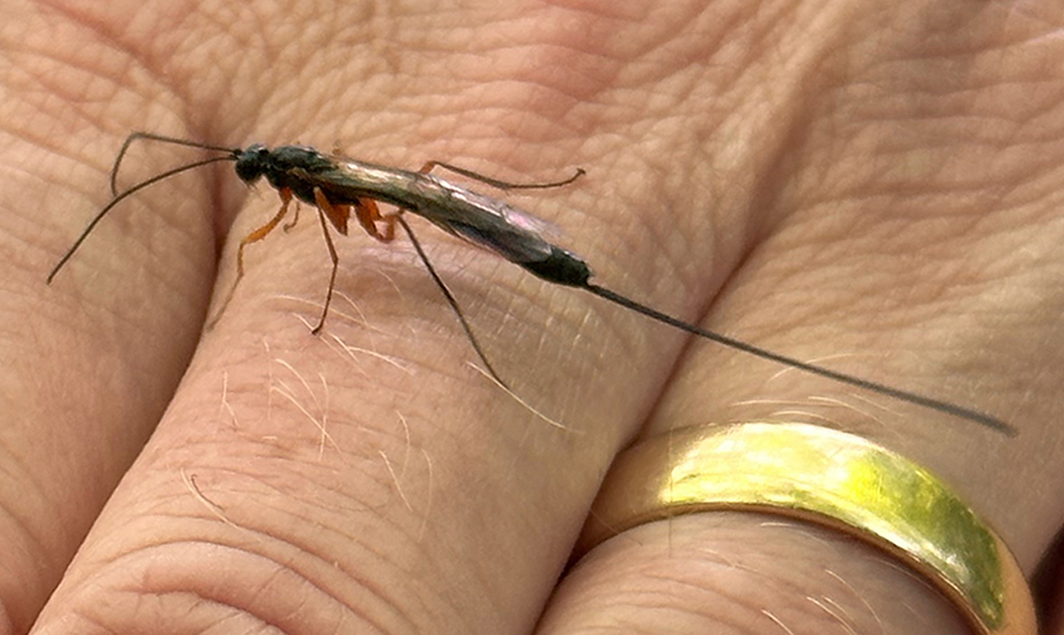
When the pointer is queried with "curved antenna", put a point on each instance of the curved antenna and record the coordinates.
(151, 136)
(121, 197)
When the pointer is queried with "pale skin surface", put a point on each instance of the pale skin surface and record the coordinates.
(876, 188)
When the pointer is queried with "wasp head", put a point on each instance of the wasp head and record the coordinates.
(252, 163)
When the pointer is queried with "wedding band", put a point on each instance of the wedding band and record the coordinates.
(831, 478)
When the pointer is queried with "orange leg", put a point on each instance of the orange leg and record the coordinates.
(369, 215)
(253, 237)
(287, 227)
(337, 214)
(262, 232)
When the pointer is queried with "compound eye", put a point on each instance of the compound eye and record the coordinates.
(252, 163)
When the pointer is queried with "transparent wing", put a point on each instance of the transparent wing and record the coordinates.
(491, 223)
(482, 220)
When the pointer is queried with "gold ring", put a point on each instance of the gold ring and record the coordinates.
(830, 478)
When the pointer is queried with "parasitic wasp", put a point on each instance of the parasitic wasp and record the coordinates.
(338, 186)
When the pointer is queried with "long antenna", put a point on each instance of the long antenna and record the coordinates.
(151, 136)
(121, 197)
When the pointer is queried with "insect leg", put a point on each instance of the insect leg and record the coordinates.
(502, 185)
(253, 237)
(369, 215)
(450, 299)
(262, 232)
(327, 210)
(287, 227)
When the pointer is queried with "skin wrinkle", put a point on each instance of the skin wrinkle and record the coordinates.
(639, 599)
(31, 490)
(224, 540)
(113, 43)
(45, 142)
(36, 552)
(291, 617)
(446, 464)
(648, 567)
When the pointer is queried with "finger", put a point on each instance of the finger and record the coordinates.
(361, 474)
(748, 572)
(368, 477)
(90, 361)
(912, 276)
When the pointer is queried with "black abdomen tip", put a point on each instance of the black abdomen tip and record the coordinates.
(561, 267)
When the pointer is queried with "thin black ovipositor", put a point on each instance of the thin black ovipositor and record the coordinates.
(338, 186)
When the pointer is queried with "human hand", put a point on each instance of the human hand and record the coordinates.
(871, 189)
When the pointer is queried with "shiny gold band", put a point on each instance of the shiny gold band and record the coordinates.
(831, 478)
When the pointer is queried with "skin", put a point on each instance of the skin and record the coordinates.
(878, 189)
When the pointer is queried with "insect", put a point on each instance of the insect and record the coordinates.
(338, 186)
